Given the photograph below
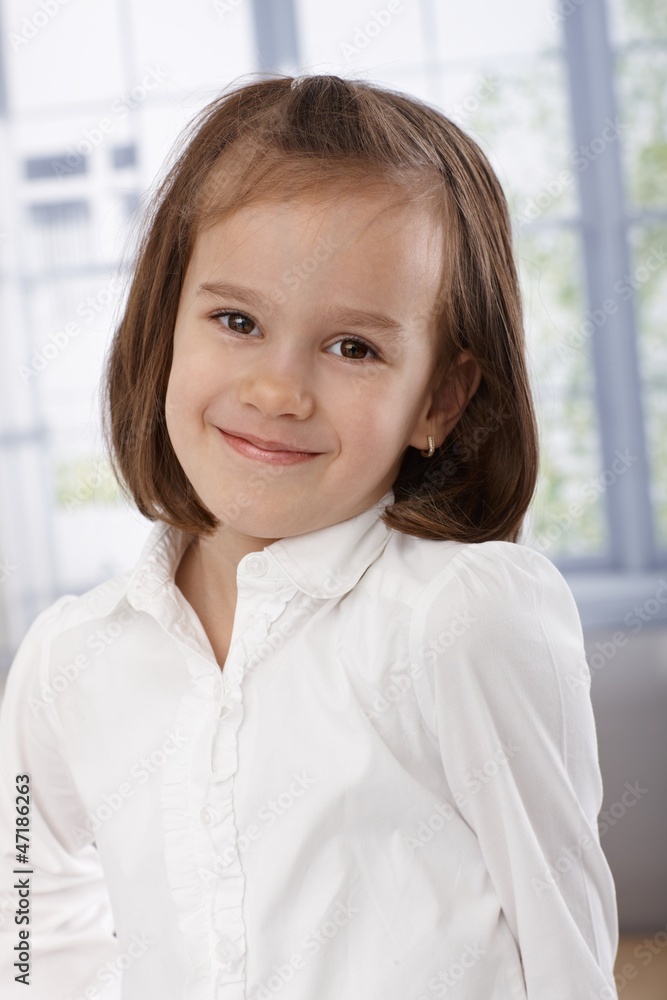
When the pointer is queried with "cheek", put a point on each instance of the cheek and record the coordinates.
(182, 408)
(188, 388)
(176, 396)
(378, 406)
(371, 430)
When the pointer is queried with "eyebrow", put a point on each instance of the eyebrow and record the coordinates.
(393, 330)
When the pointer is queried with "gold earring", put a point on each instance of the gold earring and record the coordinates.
(431, 447)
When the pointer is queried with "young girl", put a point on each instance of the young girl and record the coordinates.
(331, 738)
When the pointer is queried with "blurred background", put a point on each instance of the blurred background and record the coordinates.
(568, 98)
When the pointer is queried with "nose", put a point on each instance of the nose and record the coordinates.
(277, 386)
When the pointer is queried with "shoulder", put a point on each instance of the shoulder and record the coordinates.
(501, 602)
(499, 626)
(516, 591)
(497, 574)
(70, 610)
(504, 572)
(97, 602)
(43, 651)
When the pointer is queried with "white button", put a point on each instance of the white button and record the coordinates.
(206, 816)
(256, 564)
(223, 952)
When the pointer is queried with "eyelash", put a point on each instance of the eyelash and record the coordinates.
(356, 340)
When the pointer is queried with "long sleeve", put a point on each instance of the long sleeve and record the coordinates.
(502, 646)
(71, 941)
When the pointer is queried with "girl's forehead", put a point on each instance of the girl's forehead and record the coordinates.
(230, 186)
(371, 213)
(404, 237)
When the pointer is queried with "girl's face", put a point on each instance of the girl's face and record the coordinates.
(299, 360)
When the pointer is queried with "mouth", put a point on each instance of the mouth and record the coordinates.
(274, 452)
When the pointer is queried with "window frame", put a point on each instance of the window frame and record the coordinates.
(607, 597)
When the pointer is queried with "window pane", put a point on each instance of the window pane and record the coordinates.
(648, 283)
(642, 96)
(58, 233)
(521, 121)
(638, 30)
(48, 167)
(637, 20)
(567, 514)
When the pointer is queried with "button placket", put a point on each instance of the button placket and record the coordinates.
(223, 952)
(224, 743)
(228, 955)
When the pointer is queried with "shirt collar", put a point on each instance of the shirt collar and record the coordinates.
(329, 561)
(323, 563)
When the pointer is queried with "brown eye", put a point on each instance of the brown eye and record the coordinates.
(237, 319)
(354, 349)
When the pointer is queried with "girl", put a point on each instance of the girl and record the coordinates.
(331, 738)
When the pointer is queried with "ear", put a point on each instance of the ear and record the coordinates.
(444, 406)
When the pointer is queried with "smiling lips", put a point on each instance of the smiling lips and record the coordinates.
(275, 452)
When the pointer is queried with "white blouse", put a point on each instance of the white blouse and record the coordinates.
(389, 792)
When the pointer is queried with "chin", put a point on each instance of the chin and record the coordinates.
(246, 521)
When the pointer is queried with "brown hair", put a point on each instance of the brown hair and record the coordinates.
(316, 133)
